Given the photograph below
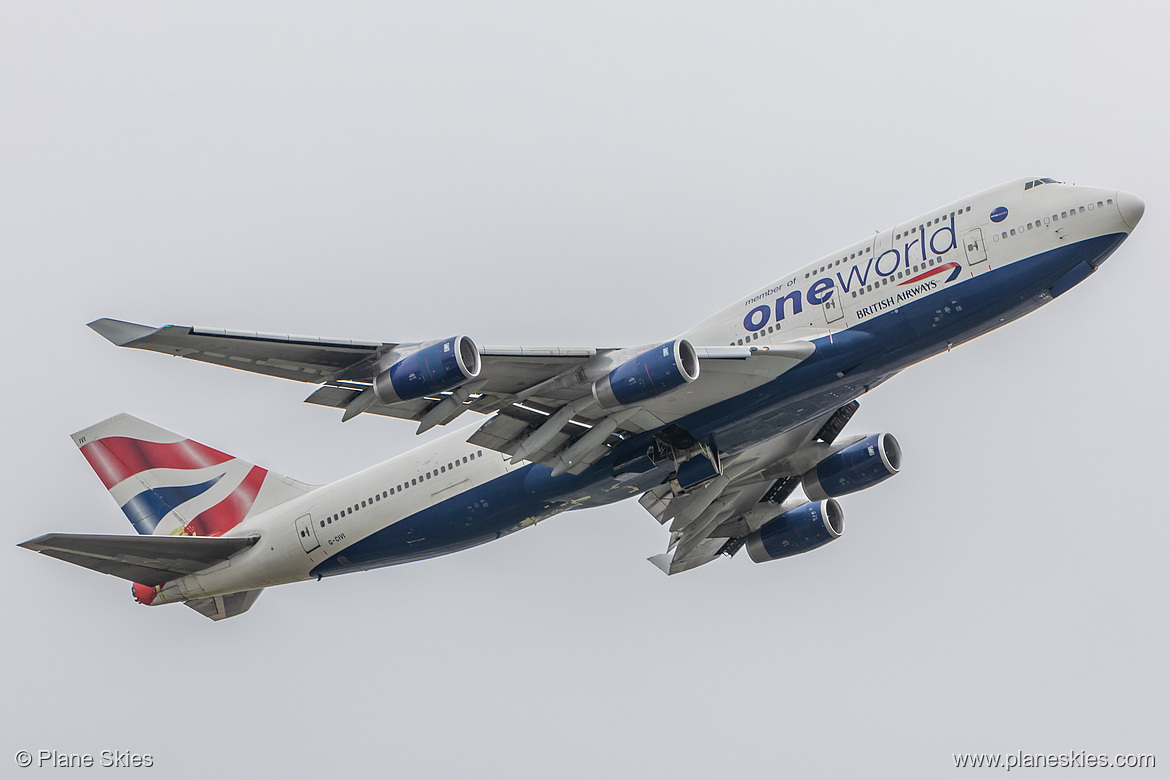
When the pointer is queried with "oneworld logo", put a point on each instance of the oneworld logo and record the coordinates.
(885, 264)
(999, 214)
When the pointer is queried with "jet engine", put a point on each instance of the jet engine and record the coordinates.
(798, 530)
(442, 365)
(859, 466)
(653, 373)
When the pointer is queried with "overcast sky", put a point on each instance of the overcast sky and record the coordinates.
(582, 174)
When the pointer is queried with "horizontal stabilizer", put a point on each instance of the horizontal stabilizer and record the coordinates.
(147, 560)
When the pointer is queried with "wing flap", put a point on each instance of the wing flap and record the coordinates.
(229, 605)
(148, 560)
(340, 396)
(504, 432)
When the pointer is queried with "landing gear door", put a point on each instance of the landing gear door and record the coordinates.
(973, 246)
(306, 533)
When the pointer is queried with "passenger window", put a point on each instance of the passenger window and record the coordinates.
(1082, 211)
(1064, 214)
(1012, 231)
(1029, 226)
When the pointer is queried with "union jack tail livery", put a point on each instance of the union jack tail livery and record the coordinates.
(168, 484)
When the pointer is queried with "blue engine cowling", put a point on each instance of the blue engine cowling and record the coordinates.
(861, 465)
(654, 372)
(799, 530)
(443, 365)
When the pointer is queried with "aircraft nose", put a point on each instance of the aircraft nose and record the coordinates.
(1131, 207)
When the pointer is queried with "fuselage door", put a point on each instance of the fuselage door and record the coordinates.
(973, 246)
(833, 307)
(306, 533)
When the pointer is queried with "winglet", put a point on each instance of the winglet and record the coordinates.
(120, 333)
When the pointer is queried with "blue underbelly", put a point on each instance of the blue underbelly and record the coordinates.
(843, 368)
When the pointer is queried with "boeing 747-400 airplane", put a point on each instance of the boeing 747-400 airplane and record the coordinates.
(730, 432)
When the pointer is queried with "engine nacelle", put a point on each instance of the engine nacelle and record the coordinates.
(434, 368)
(859, 466)
(654, 372)
(799, 530)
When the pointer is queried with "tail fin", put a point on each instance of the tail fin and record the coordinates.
(168, 484)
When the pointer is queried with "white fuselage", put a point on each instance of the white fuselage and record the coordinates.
(929, 258)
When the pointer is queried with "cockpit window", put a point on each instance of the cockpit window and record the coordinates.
(1038, 182)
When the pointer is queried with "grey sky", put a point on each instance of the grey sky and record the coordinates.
(591, 174)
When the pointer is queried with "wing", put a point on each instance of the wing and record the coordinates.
(300, 358)
(345, 368)
(714, 518)
(547, 410)
(147, 560)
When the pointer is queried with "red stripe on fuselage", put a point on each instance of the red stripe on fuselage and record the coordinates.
(115, 458)
(938, 269)
(228, 513)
